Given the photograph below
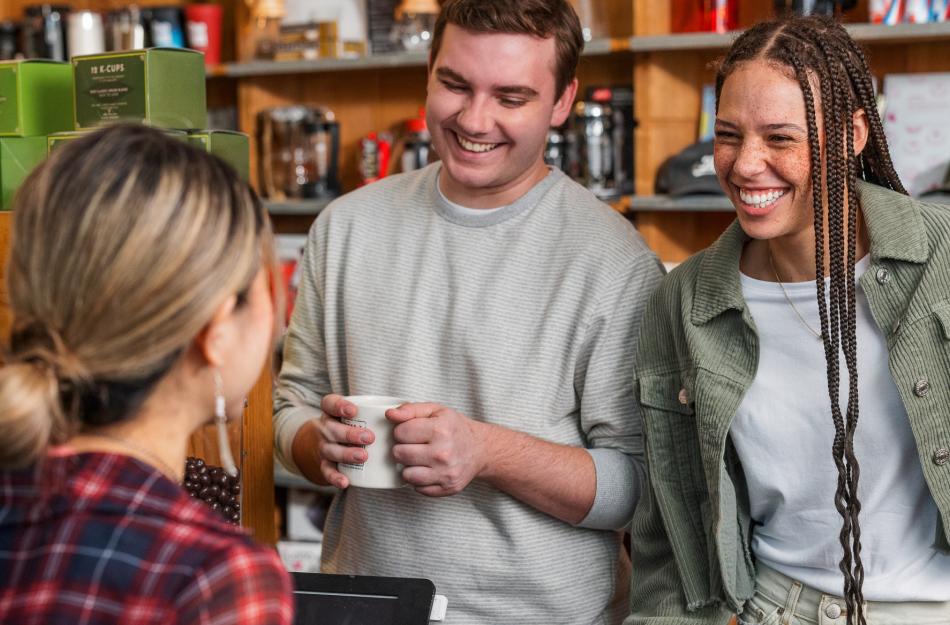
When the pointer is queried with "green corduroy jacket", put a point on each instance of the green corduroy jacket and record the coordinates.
(697, 357)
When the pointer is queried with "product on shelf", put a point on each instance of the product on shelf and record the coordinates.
(18, 157)
(299, 149)
(34, 97)
(230, 146)
(417, 143)
(718, 16)
(381, 17)
(126, 29)
(159, 87)
(414, 23)
(620, 99)
(813, 7)
(44, 32)
(56, 139)
(689, 172)
(212, 485)
(596, 155)
(8, 40)
(166, 27)
(85, 33)
(375, 150)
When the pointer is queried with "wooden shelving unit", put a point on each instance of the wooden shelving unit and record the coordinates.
(595, 47)
(868, 34)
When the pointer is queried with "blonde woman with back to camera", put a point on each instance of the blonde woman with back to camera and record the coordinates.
(140, 290)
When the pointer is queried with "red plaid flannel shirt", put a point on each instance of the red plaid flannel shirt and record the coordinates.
(95, 539)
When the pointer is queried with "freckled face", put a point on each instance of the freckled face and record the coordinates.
(762, 153)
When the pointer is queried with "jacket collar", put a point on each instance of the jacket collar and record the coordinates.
(895, 228)
(894, 223)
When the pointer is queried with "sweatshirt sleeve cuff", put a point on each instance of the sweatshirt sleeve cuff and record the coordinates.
(618, 490)
(286, 426)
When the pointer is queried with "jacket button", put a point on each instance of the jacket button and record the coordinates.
(833, 611)
(941, 456)
(683, 397)
(883, 276)
(921, 387)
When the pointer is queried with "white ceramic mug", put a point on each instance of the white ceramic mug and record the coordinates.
(380, 469)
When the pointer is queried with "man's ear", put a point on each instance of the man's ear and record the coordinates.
(859, 120)
(211, 341)
(562, 107)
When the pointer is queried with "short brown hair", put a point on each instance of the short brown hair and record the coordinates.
(540, 18)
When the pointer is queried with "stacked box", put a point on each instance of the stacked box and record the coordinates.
(34, 101)
(231, 147)
(34, 98)
(56, 139)
(160, 87)
(18, 157)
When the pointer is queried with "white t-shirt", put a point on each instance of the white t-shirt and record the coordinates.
(783, 434)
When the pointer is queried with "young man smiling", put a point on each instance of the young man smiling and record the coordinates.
(508, 297)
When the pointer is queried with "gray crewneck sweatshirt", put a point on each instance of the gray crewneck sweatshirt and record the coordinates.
(525, 317)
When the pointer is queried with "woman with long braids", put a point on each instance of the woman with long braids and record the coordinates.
(769, 497)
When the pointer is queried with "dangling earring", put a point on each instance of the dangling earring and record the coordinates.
(221, 421)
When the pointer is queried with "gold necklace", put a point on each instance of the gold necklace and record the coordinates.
(154, 459)
(788, 299)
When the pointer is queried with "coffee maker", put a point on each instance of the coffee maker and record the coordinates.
(298, 152)
(596, 165)
(620, 99)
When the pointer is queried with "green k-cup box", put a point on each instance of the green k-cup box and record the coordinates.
(231, 147)
(58, 138)
(35, 97)
(18, 157)
(55, 140)
(161, 87)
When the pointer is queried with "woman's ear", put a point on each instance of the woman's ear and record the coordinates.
(859, 121)
(212, 341)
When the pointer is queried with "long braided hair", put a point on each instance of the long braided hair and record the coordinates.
(819, 51)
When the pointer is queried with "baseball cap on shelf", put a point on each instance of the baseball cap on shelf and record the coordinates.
(690, 172)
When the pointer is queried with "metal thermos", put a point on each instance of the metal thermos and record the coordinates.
(44, 32)
(8, 41)
(126, 29)
(593, 128)
(86, 33)
(418, 143)
(555, 150)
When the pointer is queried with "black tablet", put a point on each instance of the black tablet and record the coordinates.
(323, 599)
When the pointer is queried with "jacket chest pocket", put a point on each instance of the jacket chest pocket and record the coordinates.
(676, 468)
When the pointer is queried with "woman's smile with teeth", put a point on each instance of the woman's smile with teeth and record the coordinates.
(472, 146)
(760, 198)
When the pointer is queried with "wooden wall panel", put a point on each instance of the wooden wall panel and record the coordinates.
(667, 107)
(258, 450)
(651, 17)
(677, 236)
